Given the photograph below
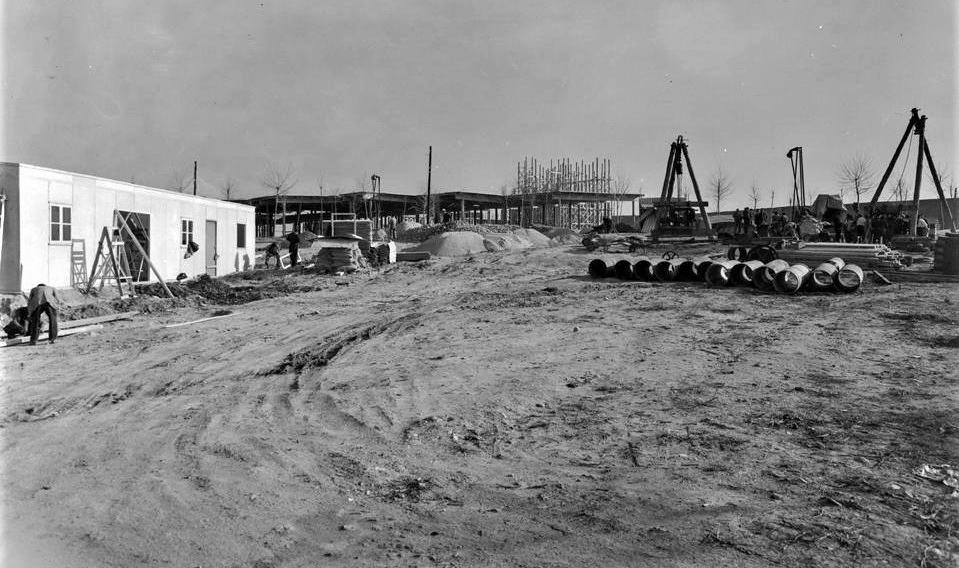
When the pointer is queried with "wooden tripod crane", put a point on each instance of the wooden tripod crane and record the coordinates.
(678, 150)
(916, 126)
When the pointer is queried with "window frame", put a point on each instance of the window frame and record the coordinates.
(184, 240)
(240, 244)
(59, 223)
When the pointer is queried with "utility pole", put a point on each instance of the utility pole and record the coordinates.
(194, 177)
(429, 179)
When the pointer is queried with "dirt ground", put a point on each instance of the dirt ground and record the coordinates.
(497, 410)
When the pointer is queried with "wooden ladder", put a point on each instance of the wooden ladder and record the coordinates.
(78, 263)
(115, 265)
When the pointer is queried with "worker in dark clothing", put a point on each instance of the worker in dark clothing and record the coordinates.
(272, 251)
(43, 299)
(19, 323)
(294, 239)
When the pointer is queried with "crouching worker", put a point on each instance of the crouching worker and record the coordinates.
(19, 323)
(272, 251)
(43, 299)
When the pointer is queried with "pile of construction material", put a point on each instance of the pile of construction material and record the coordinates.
(344, 256)
(946, 256)
(864, 255)
(777, 275)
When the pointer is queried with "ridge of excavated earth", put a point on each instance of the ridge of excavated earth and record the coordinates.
(502, 409)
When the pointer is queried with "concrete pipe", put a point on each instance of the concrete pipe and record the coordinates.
(720, 273)
(849, 278)
(643, 269)
(764, 277)
(743, 272)
(687, 270)
(702, 266)
(824, 275)
(598, 269)
(666, 270)
(792, 279)
(624, 270)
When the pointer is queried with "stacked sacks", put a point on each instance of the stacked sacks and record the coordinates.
(338, 258)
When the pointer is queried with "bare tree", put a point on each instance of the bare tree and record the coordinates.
(228, 187)
(619, 187)
(754, 194)
(856, 174)
(280, 180)
(720, 186)
(179, 181)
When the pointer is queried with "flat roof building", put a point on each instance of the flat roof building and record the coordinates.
(53, 220)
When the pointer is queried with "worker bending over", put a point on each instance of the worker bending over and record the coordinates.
(43, 299)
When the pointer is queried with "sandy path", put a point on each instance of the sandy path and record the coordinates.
(498, 411)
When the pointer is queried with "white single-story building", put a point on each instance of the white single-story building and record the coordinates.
(53, 221)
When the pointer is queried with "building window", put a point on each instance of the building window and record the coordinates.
(61, 223)
(186, 231)
(241, 235)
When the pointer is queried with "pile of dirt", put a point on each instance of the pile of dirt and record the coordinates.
(214, 290)
(559, 236)
(535, 238)
(83, 311)
(456, 243)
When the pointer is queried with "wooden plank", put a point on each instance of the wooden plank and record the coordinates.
(44, 336)
(197, 321)
(921, 277)
(70, 324)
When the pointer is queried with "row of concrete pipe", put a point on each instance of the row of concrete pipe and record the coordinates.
(775, 276)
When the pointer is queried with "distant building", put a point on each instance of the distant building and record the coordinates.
(53, 221)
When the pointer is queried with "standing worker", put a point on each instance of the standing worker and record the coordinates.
(294, 239)
(737, 222)
(43, 299)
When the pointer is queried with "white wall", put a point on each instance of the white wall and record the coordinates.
(93, 201)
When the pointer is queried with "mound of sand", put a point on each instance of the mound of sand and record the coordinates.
(459, 243)
(559, 236)
(534, 237)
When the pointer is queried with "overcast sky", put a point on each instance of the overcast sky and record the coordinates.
(135, 90)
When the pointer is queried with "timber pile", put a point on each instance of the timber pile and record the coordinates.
(864, 255)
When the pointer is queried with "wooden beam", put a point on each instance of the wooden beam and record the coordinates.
(64, 333)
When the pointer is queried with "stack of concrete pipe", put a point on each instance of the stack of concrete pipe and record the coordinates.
(775, 276)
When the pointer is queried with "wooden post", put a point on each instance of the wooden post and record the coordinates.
(921, 129)
(429, 179)
(136, 243)
(194, 177)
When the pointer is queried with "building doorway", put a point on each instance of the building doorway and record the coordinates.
(210, 249)
(139, 225)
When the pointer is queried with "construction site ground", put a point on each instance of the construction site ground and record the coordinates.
(501, 409)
